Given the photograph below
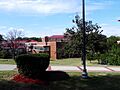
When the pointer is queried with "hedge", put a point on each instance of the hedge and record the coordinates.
(32, 65)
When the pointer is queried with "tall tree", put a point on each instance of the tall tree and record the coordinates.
(33, 38)
(94, 39)
(112, 40)
(36, 39)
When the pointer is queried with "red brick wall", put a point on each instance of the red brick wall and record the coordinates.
(53, 51)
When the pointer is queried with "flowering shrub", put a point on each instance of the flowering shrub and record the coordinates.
(24, 79)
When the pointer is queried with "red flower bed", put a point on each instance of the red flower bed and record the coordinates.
(24, 79)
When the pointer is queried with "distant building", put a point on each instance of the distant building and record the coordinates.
(118, 42)
(32, 46)
(57, 38)
(41, 47)
(54, 43)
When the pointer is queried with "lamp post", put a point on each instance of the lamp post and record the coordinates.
(84, 73)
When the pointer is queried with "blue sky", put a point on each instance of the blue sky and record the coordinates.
(39, 18)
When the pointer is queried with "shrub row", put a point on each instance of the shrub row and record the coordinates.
(112, 57)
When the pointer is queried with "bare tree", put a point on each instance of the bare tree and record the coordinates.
(14, 34)
(11, 38)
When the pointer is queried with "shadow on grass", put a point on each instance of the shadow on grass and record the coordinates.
(10, 85)
(107, 82)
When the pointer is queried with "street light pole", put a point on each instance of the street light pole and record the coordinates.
(84, 73)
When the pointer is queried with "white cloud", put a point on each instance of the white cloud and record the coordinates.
(13, 28)
(98, 5)
(39, 6)
(104, 24)
(47, 6)
(21, 29)
(5, 29)
(111, 30)
(46, 31)
(118, 18)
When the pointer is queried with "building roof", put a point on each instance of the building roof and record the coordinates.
(57, 36)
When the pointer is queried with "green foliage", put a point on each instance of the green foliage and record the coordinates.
(1, 54)
(32, 38)
(95, 41)
(36, 39)
(60, 53)
(112, 40)
(32, 65)
(112, 57)
(104, 58)
(91, 56)
(5, 54)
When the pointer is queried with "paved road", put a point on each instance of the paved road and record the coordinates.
(4, 67)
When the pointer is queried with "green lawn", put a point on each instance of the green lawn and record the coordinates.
(98, 81)
(7, 74)
(70, 61)
(7, 61)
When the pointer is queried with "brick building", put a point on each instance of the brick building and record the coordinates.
(38, 47)
(53, 43)
(57, 38)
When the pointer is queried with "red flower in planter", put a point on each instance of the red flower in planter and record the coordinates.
(24, 79)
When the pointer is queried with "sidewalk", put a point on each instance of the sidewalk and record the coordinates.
(4, 67)
(89, 68)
